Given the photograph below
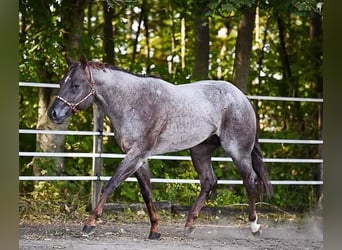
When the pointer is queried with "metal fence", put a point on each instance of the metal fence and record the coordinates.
(95, 178)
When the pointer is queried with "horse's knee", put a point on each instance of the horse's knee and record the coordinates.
(213, 183)
(209, 183)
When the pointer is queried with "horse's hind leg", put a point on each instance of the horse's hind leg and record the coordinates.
(201, 158)
(244, 166)
(143, 176)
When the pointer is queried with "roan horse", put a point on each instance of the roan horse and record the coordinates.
(151, 116)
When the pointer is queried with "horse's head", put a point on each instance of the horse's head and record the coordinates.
(76, 91)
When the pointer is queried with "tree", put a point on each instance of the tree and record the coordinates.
(243, 48)
(152, 32)
(108, 33)
(201, 44)
(316, 61)
(72, 14)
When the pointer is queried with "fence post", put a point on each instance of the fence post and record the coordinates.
(97, 164)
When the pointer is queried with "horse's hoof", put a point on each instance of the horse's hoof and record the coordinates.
(154, 236)
(256, 228)
(188, 230)
(257, 233)
(88, 230)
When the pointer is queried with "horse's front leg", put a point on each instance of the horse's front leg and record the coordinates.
(143, 176)
(126, 168)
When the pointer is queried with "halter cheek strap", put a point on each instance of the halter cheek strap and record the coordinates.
(73, 106)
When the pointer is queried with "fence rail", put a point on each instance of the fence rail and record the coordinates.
(157, 157)
(93, 133)
(158, 180)
(269, 98)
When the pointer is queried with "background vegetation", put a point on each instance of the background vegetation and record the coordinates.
(271, 48)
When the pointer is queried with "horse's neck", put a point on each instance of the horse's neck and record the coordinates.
(109, 87)
(116, 91)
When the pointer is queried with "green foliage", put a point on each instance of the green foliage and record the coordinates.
(225, 7)
(42, 40)
(54, 200)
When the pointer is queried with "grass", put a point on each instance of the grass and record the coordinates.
(73, 211)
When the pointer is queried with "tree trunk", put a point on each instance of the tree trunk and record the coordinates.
(74, 15)
(171, 65)
(73, 18)
(286, 69)
(147, 39)
(201, 47)
(141, 18)
(183, 43)
(316, 49)
(243, 48)
(108, 34)
(47, 142)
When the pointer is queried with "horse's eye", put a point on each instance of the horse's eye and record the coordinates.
(75, 87)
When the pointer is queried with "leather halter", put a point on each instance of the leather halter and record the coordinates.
(73, 106)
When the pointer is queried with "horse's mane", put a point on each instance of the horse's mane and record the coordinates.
(104, 66)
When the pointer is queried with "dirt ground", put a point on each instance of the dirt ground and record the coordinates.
(207, 235)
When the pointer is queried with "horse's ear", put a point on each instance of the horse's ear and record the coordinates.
(69, 60)
(83, 61)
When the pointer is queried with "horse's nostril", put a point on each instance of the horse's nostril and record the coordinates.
(52, 114)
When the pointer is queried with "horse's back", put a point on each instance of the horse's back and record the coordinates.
(201, 109)
(220, 95)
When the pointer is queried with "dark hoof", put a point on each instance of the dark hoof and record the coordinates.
(154, 236)
(188, 230)
(88, 230)
(257, 233)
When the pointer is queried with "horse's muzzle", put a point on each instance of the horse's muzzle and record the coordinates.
(54, 118)
(58, 115)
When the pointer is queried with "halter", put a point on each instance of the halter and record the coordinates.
(73, 106)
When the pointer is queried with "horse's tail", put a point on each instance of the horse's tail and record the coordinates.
(263, 184)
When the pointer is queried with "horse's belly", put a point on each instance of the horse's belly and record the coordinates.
(191, 119)
(184, 136)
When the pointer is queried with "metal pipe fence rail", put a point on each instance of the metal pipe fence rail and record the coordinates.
(95, 178)
(159, 157)
(270, 98)
(158, 180)
(93, 133)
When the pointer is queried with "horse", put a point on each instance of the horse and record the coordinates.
(150, 116)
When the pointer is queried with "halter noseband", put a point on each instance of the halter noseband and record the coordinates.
(73, 106)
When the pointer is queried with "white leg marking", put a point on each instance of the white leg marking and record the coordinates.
(255, 226)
